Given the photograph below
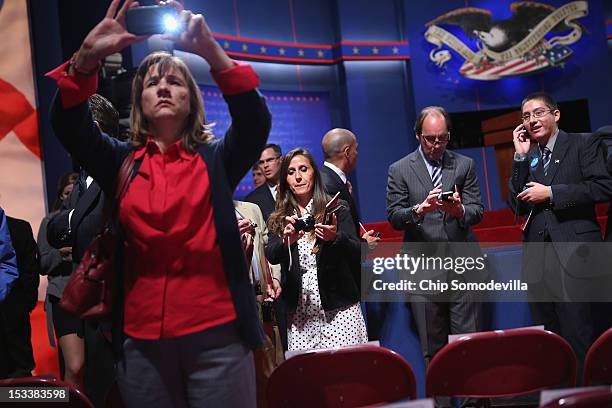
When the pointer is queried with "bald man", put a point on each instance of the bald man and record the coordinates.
(340, 152)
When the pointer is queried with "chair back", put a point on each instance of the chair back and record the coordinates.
(76, 399)
(501, 363)
(598, 361)
(346, 377)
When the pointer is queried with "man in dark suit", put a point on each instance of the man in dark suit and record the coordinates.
(414, 205)
(556, 185)
(265, 195)
(340, 150)
(75, 225)
(15, 331)
(603, 135)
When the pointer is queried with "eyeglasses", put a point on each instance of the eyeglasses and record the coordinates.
(268, 160)
(536, 114)
(433, 139)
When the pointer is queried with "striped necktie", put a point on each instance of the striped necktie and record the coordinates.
(436, 173)
(546, 155)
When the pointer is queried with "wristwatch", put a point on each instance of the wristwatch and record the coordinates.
(520, 156)
(415, 214)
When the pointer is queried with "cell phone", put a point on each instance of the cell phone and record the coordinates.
(445, 196)
(149, 20)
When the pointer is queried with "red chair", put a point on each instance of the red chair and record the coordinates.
(347, 377)
(598, 361)
(76, 399)
(601, 398)
(501, 363)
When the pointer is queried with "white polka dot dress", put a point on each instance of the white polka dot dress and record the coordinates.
(310, 327)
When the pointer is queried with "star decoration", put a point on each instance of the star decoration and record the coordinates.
(301, 53)
(320, 54)
(355, 50)
(375, 50)
(226, 44)
(263, 50)
(245, 47)
(281, 51)
(395, 50)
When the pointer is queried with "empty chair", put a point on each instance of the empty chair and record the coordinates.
(76, 399)
(347, 377)
(501, 363)
(598, 361)
(601, 398)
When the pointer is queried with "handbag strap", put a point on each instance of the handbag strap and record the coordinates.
(122, 182)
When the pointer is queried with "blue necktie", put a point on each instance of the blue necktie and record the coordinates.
(436, 174)
(546, 155)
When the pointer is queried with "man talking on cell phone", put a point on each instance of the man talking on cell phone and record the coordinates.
(556, 184)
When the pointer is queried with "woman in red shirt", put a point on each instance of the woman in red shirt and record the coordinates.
(187, 306)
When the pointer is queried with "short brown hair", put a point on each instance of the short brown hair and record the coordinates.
(195, 131)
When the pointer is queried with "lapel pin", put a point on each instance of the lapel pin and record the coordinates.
(557, 161)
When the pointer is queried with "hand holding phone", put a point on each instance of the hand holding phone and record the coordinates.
(520, 138)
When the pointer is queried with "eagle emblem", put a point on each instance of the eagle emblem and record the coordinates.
(535, 38)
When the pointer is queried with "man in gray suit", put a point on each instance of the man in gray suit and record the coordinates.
(413, 204)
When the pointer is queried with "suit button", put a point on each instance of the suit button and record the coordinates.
(540, 233)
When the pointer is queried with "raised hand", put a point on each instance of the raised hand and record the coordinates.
(106, 38)
(520, 138)
(196, 37)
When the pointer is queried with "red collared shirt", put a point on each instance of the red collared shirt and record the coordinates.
(174, 278)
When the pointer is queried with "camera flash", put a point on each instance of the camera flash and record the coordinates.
(170, 23)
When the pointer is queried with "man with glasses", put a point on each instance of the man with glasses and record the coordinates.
(415, 205)
(556, 184)
(265, 195)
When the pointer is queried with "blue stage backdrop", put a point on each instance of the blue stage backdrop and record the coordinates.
(580, 67)
(299, 119)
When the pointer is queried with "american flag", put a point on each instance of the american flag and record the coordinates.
(527, 64)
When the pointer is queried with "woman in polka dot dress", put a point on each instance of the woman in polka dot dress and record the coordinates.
(320, 266)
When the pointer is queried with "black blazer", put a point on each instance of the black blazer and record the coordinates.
(604, 137)
(578, 177)
(85, 223)
(24, 294)
(336, 272)
(333, 184)
(263, 198)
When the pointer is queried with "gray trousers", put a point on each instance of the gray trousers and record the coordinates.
(211, 368)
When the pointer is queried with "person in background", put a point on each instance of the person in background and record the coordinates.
(265, 195)
(185, 314)
(258, 176)
(15, 331)
(79, 220)
(319, 276)
(340, 149)
(56, 264)
(8, 260)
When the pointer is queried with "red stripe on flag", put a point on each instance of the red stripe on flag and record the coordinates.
(16, 114)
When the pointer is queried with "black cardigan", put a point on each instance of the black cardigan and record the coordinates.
(227, 161)
(338, 266)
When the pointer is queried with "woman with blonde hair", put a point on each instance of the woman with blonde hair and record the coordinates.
(185, 315)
